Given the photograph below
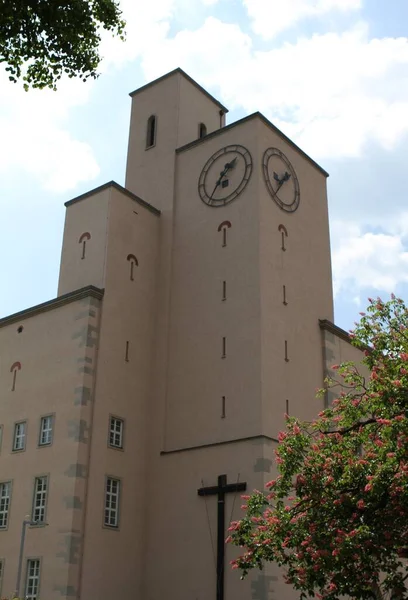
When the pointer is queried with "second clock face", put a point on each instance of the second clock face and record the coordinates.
(281, 179)
(225, 175)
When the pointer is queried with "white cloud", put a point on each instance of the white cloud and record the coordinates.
(270, 17)
(331, 93)
(367, 260)
(35, 137)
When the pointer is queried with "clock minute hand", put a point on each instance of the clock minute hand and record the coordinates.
(281, 180)
(227, 167)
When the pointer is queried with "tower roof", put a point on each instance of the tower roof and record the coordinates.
(190, 79)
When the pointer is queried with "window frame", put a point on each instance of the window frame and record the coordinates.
(37, 478)
(148, 132)
(42, 418)
(106, 525)
(16, 424)
(122, 433)
(202, 130)
(8, 482)
(29, 560)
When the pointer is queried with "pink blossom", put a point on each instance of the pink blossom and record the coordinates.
(368, 487)
(271, 483)
(228, 539)
(360, 504)
(397, 382)
(296, 430)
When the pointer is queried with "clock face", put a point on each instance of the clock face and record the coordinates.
(225, 175)
(281, 179)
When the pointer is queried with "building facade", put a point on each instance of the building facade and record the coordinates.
(194, 310)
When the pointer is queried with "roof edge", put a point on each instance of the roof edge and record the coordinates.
(85, 292)
(332, 328)
(255, 115)
(118, 187)
(190, 79)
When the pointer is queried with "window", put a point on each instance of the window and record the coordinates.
(112, 492)
(116, 432)
(33, 579)
(5, 493)
(40, 499)
(46, 431)
(151, 132)
(19, 436)
(202, 130)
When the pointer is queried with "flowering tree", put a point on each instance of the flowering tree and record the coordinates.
(336, 517)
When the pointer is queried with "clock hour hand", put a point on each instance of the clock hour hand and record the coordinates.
(281, 180)
(227, 167)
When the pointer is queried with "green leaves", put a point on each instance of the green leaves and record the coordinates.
(40, 40)
(336, 517)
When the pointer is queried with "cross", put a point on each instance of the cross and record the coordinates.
(221, 489)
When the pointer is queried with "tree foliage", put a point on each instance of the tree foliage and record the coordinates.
(336, 517)
(42, 39)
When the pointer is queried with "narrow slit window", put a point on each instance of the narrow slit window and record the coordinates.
(223, 407)
(224, 290)
(224, 347)
(284, 295)
(151, 131)
(202, 130)
(286, 352)
(127, 352)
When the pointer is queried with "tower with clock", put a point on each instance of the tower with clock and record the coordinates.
(244, 277)
(194, 311)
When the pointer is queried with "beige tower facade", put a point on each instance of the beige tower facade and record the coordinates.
(194, 310)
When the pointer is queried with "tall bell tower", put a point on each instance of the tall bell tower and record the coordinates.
(244, 278)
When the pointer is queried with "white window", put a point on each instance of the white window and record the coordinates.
(46, 431)
(5, 492)
(33, 579)
(112, 492)
(19, 436)
(40, 499)
(116, 432)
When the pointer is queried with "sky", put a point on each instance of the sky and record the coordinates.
(331, 74)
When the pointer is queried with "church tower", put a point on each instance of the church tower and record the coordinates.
(194, 310)
(247, 278)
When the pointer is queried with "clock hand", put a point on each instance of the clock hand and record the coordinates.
(227, 167)
(281, 180)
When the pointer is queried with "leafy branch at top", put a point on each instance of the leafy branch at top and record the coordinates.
(40, 40)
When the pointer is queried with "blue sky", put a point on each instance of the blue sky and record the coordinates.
(332, 74)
